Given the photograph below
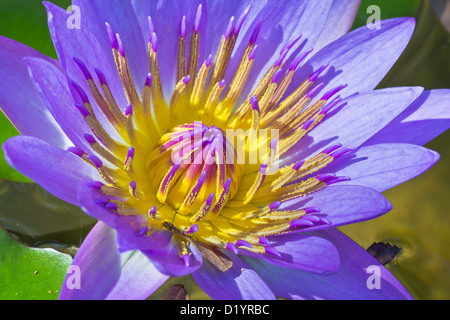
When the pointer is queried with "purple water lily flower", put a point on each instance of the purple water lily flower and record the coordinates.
(130, 124)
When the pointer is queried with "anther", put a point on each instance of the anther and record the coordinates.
(183, 27)
(83, 68)
(240, 21)
(301, 223)
(313, 77)
(229, 28)
(95, 184)
(273, 251)
(152, 212)
(186, 259)
(112, 206)
(192, 229)
(77, 151)
(230, 246)
(255, 34)
(143, 230)
(151, 27)
(340, 152)
(333, 91)
(243, 243)
(197, 20)
(111, 36)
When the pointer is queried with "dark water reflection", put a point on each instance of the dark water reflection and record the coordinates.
(40, 218)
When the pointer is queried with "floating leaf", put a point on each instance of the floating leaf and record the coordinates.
(7, 131)
(30, 273)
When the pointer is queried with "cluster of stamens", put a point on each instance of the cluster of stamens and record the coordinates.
(172, 162)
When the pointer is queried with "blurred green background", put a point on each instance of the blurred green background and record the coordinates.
(419, 222)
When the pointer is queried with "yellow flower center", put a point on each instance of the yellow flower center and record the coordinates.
(199, 164)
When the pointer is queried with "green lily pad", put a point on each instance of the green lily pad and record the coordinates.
(7, 131)
(30, 273)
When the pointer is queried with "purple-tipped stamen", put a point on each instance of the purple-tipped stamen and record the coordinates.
(309, 210)
(97, 162)
(280, 58)
(252, 53)
(76, 151)
(291, 43)
(102, 201)
(152, 212)
(129, 110)
(313, 77)
(274, 205)
(241, 20)
(330, 105)
(84, 112)
(95, 184)
(111, 36)
(255, 33)
(301, 223)
(254, 103)
(298, 165)
(148, 80)
(323, 177)
(308, 124)
(311, 93)
(154, 42)
(83, 68)
(333, 91)
(186, 259)
(101, 76)
(229, 28)
(83, 96)
(112, 206)
(89, 138)
(186, 79)
(332, 148)
(243, 243)
(192, 229)
(296, 62)
(120, 45)
(342, 151)
(197, 20)
(272, 251)
(273, 144)
(130, 154)
(143, 230)
(183, 27)
(311, 218)
(263, 169)
(276, 75)
(208, 61)
(230, 246)
(338, 179)
(151, 27)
